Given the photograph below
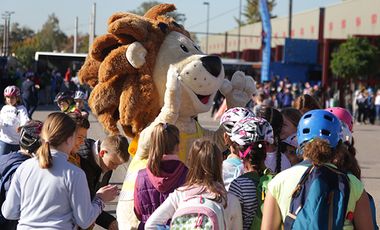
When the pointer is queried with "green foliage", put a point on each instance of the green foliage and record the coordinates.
(251, 12)
(145, 6)
(355, 57)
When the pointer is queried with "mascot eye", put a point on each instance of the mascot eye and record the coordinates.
(197, 48)
(184, 48)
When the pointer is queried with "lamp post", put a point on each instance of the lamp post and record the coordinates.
(208, 19)
(7, 19)
(238, 48)
(290, 19)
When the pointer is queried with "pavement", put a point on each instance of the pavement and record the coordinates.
(367, 142)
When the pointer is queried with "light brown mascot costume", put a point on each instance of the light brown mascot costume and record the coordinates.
(147, 70)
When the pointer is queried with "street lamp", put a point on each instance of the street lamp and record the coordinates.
(208, 19)
(7, 18)
(239, 29)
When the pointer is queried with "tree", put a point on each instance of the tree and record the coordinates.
(19, 33)
(355, 57)
(251, 12)
(51, 37)
(145, 6)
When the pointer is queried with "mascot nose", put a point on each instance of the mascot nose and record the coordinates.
(213, 64)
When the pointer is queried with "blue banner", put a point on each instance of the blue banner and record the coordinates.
(266, 40)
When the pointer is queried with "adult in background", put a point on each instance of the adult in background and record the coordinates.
(29, 95)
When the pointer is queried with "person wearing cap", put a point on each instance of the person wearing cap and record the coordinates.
(233, 165)
(29, 143)
(12, 116)
(79, 99)
(65, 103)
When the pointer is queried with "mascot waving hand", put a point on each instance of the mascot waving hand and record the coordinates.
(147, 70)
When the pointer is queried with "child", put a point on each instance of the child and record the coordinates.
(79, 99)
(164, 173)
(204, 180)
(275, 160)
(64, 101)
(318, 135)
(12, 116)
(83, 125)
(232, 166)
(98, 159)
(250, 138)
(48, 191)
(29, 143)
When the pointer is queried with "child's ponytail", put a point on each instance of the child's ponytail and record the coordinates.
(44, 156)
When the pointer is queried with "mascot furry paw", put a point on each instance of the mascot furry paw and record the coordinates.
(147, 70)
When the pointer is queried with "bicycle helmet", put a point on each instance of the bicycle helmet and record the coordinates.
(251, 130)
(233, 115)
(80, 95)
(11, 91)
(346, 136)
(319, 124)
(63, 96)
(30, 135)
(343, 114)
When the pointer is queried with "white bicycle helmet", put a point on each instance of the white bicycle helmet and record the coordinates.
(233, 115)
(251, 130)
(80, 95)
(11, 91)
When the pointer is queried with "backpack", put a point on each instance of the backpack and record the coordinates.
(5, 177)
(262, 188)
(198, 212)
(320, 200)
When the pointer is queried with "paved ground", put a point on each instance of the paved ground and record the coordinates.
(367, 139)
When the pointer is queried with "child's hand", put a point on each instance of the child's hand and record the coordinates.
(18, 129)
(108, 193)
(113, 225)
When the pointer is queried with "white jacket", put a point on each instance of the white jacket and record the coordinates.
(12, 117)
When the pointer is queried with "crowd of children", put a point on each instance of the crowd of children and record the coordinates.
(292, 169)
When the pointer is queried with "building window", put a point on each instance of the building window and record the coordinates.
(331, 26)
(358, 21)
(302, 31)
(343, 24)
(312, 29)
(374, 19)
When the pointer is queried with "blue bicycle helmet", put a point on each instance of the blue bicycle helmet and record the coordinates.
(319, 124)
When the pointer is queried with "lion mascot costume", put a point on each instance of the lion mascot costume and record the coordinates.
(147, 70)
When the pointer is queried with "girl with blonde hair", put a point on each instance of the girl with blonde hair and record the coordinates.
(50, 192)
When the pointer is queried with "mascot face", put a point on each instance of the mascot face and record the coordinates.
(200, 75)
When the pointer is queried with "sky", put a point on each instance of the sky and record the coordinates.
(34, 13)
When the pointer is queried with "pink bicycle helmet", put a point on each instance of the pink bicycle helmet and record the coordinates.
(343, 115)
(233, 115)
(11, 91)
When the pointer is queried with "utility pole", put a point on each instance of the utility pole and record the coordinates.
(7, 19)
(208, 21)
(92, 26)
(238, 48)
(3, 48)
(290, 19)
(76, 36)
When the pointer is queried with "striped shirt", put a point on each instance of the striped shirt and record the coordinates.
(245, 189)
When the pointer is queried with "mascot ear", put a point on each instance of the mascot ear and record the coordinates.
(136, 54)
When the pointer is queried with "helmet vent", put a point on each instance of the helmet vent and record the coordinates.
(328, 117)
(325, 132)
(307, 116)
(306, 131)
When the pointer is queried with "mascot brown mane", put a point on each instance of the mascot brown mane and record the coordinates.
(120, 87)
